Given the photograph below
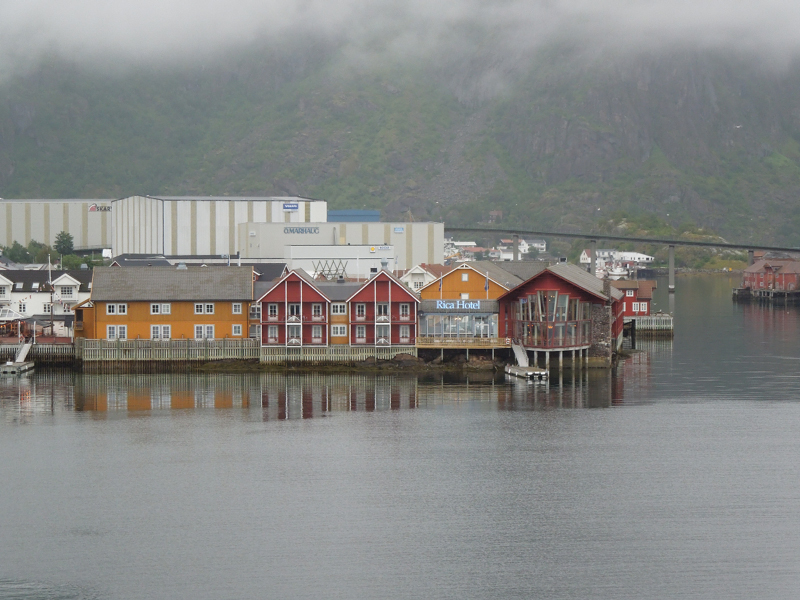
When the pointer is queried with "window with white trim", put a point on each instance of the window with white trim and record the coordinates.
(465, 276)
(67, 292)
(3, 292)
(642, 306)
(294, 310)
(160, 309)
(198, 309)
(204, 332)
(237, 309)
(116, 309)
(47, 307)
(338, 308)
(237, 329)
(405, 333)
(316, 333)
(316, 310)
(635, 307)
(66, 307)
(629, 293)
(209, 309)
(405, 311)
(338, 330)
(361, 332)
(23, 308)
(465, 295)
(272, 333)
(116, 332)
(383, 309)
(272, 311)
(361, 310)
(160, 332)
(418, 284)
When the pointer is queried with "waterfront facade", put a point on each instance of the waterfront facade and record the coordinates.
(294, 313)
(166, 303)
(383, 313)
(638, 298)
(772, 274)
(563, 308)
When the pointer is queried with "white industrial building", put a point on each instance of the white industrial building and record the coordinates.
(181, 225)
(412, 243)
(88, 221)
(346, 261)
(252, 227)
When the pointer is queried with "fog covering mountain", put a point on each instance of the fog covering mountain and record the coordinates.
(555, 112)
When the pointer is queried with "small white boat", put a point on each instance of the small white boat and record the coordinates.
(617, 272)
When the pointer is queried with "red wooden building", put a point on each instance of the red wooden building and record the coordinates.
(563, 308)
(773, 274)
(383, 313)
(638, 298)
(294, 313)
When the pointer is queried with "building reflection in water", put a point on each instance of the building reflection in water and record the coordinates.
(282, 396)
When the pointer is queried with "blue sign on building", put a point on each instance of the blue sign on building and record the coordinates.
(291, 206)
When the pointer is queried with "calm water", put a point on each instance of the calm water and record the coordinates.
(676, 476)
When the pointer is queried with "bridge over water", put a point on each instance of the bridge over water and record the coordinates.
(593, 238)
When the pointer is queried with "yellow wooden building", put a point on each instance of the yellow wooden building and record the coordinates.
(163, 303)
(465, 282)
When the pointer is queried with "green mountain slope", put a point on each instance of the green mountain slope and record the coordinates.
(689, 137)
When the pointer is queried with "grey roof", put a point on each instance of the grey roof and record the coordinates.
(521, 270)
(237, 198)
(139, 260)
(338, 292)
(172, 284)
(583, 279)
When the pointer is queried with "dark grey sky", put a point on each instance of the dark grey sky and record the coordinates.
(158, 30)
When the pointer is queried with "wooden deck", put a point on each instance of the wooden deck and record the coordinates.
(462, 343)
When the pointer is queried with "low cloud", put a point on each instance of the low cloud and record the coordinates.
(179, 30)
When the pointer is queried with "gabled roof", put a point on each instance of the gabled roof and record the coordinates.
(784, 265)
(172, 284)
(577, 277)
(37, 281)
(392, 278)
(300, 274)
(645, 287)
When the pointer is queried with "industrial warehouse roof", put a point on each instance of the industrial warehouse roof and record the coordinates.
(236, 198)
(112, 284)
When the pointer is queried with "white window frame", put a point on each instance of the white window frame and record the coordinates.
(316, 309)
(465, 295)
(68, 291)
(3, 292)
(361, 310)
(111, 309)
(236, 330)
(418, 284)
(339, 308)
(405, 310)
(338, 330)
(642, 306)
(23, 307)
(272, 310)
(361, 332)
(236, 308)
(209, 308)
(629, 293)
(206, 332)
(295, 306)
(47, 307)
(465, 276)
(116, 332)
(316, 332)
(160, 309)
(405, 332)
(635, 307)
(160, 332)
(272, 333)
(198, 309)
